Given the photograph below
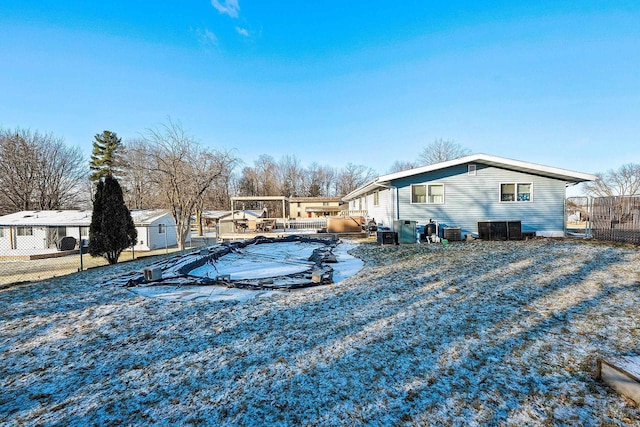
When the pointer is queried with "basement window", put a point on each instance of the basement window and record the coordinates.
(515, 192)
(427, 193)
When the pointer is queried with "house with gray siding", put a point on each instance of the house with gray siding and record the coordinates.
(464, 191)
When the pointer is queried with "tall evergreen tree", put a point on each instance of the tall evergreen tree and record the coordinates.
(104, 156)
(112, 229)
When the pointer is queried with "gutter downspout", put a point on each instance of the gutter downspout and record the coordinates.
(564, 213)
(397, 203)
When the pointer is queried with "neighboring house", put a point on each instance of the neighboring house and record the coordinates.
(41, 230)
(239, 221)
(464, 191)
(35, 230)
(210, 218)
(314, 207)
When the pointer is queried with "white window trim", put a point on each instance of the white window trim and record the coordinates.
(472, 170)
(515, 183)
(427, 185)
(376, 195)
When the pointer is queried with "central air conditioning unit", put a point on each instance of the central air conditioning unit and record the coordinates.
(452, 234)
(153, 273)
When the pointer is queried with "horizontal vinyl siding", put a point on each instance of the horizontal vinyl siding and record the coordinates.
(385, 211)
(469, 199)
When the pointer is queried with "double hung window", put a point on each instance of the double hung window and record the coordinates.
(515, 192)
(427, 193)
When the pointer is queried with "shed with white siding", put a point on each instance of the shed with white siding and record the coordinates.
(464, 191)
(156, 229)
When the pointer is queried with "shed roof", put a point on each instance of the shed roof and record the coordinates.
(241, 214)
(147, 216)
(570, 177)
(69, 218)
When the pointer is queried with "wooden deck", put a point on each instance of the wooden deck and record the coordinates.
(622, 374)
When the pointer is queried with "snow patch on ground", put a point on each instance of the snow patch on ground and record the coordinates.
(347, 265)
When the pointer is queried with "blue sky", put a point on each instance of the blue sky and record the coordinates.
(554, 82)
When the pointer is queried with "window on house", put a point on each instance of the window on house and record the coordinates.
(427, 193)
(376, 198)
(325, 203)
(471, 169)
(161, 228)
(418, 194)
(1, 232)
(24, 231)
(84, 231)
(515, 192)
(523, 193)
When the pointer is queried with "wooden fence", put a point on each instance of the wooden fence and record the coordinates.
(616, 218)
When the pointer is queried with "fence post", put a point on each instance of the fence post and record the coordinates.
(80, 246)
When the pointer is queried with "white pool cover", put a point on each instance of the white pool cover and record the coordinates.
(261, 261)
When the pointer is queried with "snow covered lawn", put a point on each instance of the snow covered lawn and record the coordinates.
(498, 333)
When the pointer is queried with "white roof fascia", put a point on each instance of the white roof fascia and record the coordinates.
(527, 167)
(361, 190)
(534, 168)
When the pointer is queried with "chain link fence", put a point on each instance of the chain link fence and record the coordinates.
(37, 253)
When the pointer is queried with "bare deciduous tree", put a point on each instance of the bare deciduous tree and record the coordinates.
(622, 182)
(399, 166)
(321, 180)
(140, 191)
(248, 184)
(61, 174)
(351, 177)
(38, 171)
(291, 176)
(442, 150)
(267, 176)
(184, 171)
